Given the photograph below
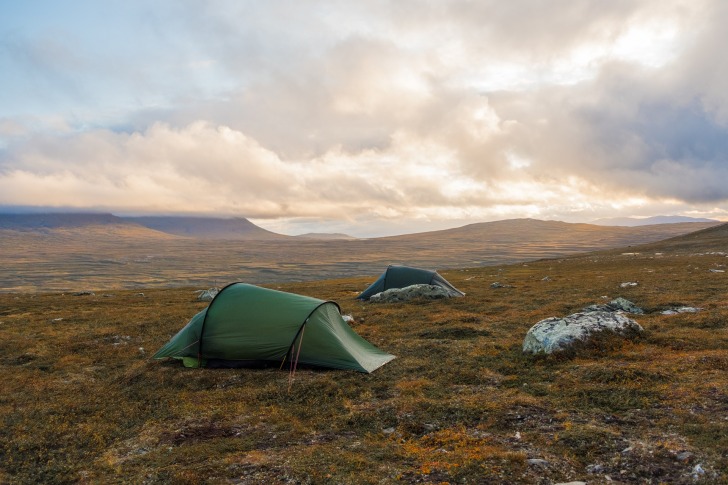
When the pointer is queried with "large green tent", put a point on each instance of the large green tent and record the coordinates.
(246, 324)
(402, 276)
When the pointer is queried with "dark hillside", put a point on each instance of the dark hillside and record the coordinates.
(711, 239)
(555, 233)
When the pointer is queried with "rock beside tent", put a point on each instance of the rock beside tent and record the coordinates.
(400, 277)
(207, 295)
(393, 295)
(560, 334)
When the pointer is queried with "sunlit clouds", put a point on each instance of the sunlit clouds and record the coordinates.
(367, 117)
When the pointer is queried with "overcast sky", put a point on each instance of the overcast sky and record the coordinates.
(366, 117)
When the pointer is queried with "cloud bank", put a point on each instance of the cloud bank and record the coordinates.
(398, 116)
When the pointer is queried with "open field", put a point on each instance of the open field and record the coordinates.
(116, 257)
(83, 403)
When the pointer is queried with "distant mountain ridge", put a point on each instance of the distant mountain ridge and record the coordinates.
(58, 220)
(635, 221)
(61, 252)
(238, 228)
(326, 236)
(191, 227)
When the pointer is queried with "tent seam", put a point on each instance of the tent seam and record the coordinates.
(204, 320)
(305, 321)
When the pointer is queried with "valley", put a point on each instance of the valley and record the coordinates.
(117, 254)
(84, 402)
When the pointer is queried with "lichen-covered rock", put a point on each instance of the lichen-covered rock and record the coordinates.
(392, 295)
(681, 309)
(617, 305)
(207, 295)
(558, 334)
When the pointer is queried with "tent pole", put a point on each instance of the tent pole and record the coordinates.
(295, 364)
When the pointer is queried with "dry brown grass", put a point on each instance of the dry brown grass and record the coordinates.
(83, 403)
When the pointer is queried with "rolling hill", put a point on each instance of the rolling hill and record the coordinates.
(711, 239)
(645, 221)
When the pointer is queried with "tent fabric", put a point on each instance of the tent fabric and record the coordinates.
(247, 323)
(402, 276)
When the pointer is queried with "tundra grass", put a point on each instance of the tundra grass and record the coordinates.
(83, 402)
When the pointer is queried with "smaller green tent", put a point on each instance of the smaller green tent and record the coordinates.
(246, 324)
(402, 276)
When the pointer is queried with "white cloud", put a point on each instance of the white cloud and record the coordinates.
(416, 111)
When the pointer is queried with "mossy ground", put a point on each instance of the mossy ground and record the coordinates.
(83, 402)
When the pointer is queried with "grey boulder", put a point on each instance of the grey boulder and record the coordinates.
(559, 334)
(392, 295)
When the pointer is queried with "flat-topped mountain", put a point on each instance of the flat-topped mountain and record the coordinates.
(163, 226)
(206, 227)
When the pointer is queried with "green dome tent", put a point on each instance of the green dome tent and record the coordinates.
(246, 324)
(402, 276)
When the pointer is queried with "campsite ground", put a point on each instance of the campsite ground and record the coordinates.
(82, 401)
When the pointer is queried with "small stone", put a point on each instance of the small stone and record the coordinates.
(625, 305)
(617, 305)
(207, 295)
(595, 468)
(684, 456)
(388, 430)
(682, 309)
(538, 462)
(499, 285)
